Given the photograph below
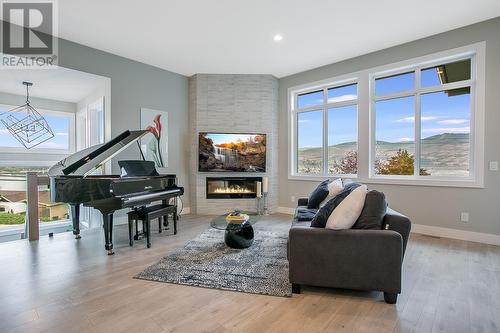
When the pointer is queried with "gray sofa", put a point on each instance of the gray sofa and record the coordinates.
(350, 259)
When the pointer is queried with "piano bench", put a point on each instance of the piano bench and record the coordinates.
(146, 214)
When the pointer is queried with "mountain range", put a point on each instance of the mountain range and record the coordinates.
(441, 154)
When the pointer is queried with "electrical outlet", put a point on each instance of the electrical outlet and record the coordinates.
(464, 217)
(493, 165)
(292, 198)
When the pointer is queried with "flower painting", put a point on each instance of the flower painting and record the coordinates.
(155, 145)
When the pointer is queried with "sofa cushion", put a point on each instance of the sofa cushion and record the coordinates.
(334, 188)
(373, 211)
(301, 224)
(318, 195)
(348, 211)
(319, 221)
(302, 213)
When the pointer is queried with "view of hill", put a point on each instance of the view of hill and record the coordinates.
(21, 170)
(443, 154)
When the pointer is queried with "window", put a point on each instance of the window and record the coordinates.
(327, 126)
(61, 124)
(415, 122)
(422, 121)
(310, 142)
(90, 131)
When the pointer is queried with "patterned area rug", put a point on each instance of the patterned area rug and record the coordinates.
(207, 262)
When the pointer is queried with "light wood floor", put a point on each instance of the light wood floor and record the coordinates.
(64, 285)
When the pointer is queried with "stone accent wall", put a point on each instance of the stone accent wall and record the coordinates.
(232, 104)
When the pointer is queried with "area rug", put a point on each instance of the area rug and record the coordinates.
(207, 262)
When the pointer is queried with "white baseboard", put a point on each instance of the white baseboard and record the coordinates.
(429, 230)
(470, 236)
(286, 210)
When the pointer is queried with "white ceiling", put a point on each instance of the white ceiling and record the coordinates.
(59, 84)
(236, 36)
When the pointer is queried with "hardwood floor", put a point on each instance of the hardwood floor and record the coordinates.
(64, 285)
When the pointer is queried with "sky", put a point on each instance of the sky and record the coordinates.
(59, 126)
(395, 121)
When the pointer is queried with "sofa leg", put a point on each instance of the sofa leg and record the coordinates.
(390, 298)
(295, 288)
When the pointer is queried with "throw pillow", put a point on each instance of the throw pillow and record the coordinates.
(348, 211)
(321, 217)
(319, 220)
(318, 195)
(334, 188)
(373, 212)
(346, 191)
(347, 181)
(305, 214)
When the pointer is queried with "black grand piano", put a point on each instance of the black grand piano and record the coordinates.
(139, 184)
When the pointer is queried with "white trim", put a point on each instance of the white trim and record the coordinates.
(409, 180)
(286, 210)
(464, 235)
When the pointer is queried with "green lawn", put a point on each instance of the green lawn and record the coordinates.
(6, 218)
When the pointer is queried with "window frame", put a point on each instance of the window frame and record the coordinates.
(417, 92)
(366, 120)
(324, 108)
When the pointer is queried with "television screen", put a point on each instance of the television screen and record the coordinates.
(232, 152)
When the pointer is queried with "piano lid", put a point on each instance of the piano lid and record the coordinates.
(84, 162)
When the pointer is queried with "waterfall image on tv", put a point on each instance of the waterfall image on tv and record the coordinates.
(232, 152)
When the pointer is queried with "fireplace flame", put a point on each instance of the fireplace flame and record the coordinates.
(232, 189)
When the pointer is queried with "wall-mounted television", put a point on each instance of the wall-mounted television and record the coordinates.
(231, 152)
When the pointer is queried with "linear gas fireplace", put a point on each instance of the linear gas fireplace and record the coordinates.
(232, 187)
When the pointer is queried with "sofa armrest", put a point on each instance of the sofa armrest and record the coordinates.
(302, 201)
(353, 259)
(399, 223)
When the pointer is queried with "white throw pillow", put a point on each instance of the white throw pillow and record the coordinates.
(345, 215)
(334, 188)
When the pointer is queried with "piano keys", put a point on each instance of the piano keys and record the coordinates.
(72, 182)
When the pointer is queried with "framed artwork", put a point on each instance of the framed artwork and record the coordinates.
(155, 146)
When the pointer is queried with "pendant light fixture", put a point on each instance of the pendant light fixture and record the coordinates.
(26, 124)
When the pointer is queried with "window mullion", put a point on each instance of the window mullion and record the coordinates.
(446, 86)
(342, 104)
(418, 124)
(395, 95)
(325, 131)
(295, 141)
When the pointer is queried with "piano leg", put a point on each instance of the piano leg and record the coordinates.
(165, 218)
(108, 232)
(75, 217)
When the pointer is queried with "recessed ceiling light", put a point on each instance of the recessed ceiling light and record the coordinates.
(278, 38)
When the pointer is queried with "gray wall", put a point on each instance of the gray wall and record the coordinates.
(135, 85)
(233, 104)
(435, 206)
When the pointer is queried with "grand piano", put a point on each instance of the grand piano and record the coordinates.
(72, 182)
